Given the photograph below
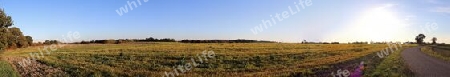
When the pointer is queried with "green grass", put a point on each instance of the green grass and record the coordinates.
(6, 70)
(392, 66)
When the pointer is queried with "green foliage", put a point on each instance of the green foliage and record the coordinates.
(11, 37)
(4, 38)
(29, 40)
(48, 42)
(6, 19)
(419, 38)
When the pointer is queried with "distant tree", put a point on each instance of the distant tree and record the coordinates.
(334, 42)
(84, 42)
(150, 39)
(48, 42)
(434, 40)
(419, 38)
(167, 40)
(304, 42)
(120, 41)
(29, 40)
(39, 43)
(53, 42)
(92, 41)
(110, 41)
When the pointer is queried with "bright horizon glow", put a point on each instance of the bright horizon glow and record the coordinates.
(378, 25)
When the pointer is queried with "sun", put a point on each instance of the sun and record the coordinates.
(378, 24)
(375, 24)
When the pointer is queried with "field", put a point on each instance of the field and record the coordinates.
(230, 59)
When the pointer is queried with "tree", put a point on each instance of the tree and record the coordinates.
(17, 35)
(110, 41)
(22, 42)
(49, 42)
(419, 38)
(11, 37)
(4, 38)
(29, 40)
(434, 40)
(5, 19)
(304, 42)
(5, 22)
(12, 40)
(150, 39)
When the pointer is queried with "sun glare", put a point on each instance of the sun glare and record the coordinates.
(375, 24)
(379, 24)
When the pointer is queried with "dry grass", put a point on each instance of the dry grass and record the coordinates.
(440, 52)
(235, 59)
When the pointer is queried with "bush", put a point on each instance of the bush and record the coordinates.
(111, 41)
(48, 42)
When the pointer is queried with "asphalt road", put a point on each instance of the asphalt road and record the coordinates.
(425, 66)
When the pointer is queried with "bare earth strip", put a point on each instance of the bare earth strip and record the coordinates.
(423, 65)
(35, 69)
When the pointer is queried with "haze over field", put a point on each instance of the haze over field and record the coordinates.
(330, 20)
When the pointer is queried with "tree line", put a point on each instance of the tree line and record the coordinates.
(12, 37)
(225, 41)
(120, 41)
(151, 39)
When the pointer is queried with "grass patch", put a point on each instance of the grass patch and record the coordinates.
(6, 70)
(392, 66)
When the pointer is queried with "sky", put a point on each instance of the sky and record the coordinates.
(317, 20)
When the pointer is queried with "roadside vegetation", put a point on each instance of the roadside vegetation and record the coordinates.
(438, 51)
(392, 66)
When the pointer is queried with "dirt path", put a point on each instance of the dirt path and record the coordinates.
(35, 68)
(423, 65)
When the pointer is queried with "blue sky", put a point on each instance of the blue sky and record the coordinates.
(324, 20)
